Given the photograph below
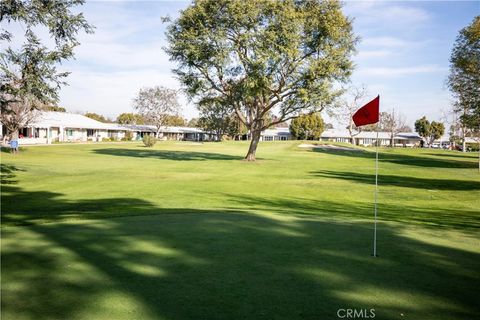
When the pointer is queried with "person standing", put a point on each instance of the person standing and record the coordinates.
(14, 142)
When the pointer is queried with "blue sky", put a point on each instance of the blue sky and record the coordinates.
(403, 54)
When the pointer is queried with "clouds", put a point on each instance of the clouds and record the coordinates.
(124, 55)
(402, 55)
(377, 14)
(390, 42)
(401, 71)
(117, 55)
(111, 93)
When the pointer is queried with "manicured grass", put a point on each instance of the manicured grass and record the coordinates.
(189, 231)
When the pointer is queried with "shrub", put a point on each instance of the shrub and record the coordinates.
(105, 139)
(128, 136)
(473, 147)
(149, 140)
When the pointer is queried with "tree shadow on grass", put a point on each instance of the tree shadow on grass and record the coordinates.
(5, 150)
(236, 265)
(432, 217)
(166, 154)
(221, 264)
(8, 173)
(455, 154)
(403, 159)
(402, 181)
(34, 207)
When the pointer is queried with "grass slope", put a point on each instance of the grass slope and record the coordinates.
(188, 231)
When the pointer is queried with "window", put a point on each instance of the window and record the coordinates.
(69, 132)
(267, 138)
(89, 132)
(367, 141)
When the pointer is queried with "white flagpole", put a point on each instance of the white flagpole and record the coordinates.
(376, 191)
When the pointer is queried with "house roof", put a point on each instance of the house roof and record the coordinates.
(334, 133)
(150, 128)
(281, 131)
(47, 119)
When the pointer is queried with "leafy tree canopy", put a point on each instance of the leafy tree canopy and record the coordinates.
(55, 108)
(193, 123)
(157, 105)
(307, 127)
(175, 120)
(422, 127)
(429, 131)
(29, 78)
(31, 70)
(437, 129)
(130, 118)
(261, 56)
(219, 119)
(464, 78)
(96, 116)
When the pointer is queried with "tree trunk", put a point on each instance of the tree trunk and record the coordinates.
(14, 134)
(253, 145)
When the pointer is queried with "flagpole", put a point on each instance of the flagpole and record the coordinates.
(376, 191)
(370, 114)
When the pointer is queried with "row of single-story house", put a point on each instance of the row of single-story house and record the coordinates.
(51, 126)
(403, 139)
(368, 138)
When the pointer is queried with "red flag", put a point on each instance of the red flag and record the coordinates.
(368, 114)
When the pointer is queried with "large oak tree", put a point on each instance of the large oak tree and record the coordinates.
(262, 57)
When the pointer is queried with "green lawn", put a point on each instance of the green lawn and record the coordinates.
(189, 231)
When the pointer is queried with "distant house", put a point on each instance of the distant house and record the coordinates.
(276, 134)
(403, 139)
(171, 133)
(368, 138)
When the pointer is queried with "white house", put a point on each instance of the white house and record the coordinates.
(403, 139)
(368, 138)
(68, 127)
(276, 134)
(61, 126)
